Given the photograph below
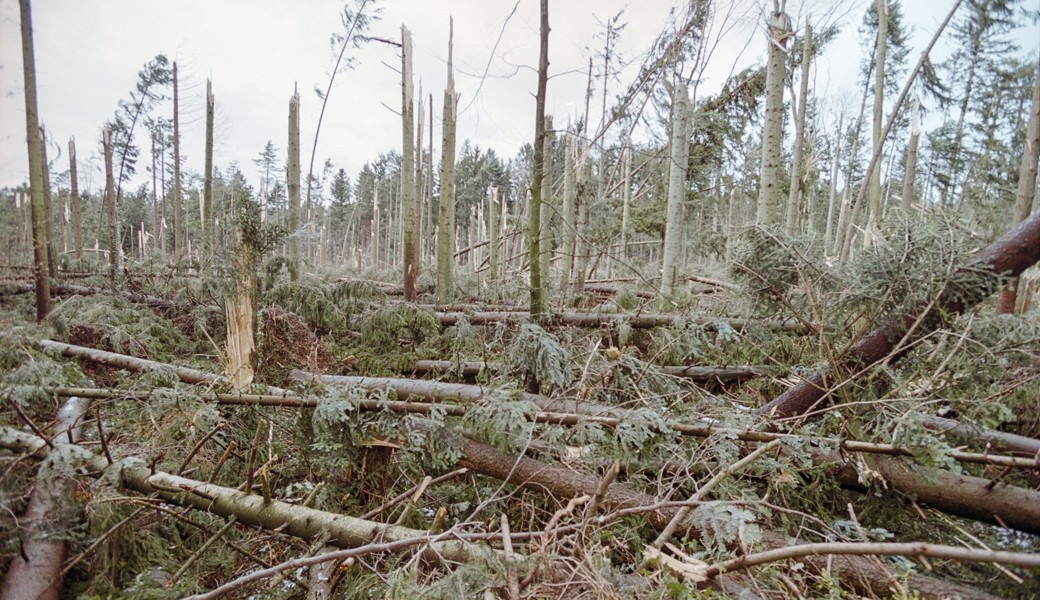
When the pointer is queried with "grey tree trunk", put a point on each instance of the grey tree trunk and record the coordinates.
(874, 197)
(626, 201)
(676, 187)
(537, 303)
(833, 194)
(1027, 172)
(773, 125)
(375, 227)
(545, 215)
(424, 227)
(74, 207)
(795, 196)
(409, 229)
(446, 216)
(34, 143)
(568, 221)
(178, 226)
(207, 177)
(911, 160)
(110, 204)
(493, 227)
(582, 202)
(293, 185)
(48, 209)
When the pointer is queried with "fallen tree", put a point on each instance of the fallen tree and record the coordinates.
(592, 319)
(1014, 252)
(693, 373)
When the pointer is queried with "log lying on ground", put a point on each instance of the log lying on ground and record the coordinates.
(252, 510)
(131, 363)
(1013, 253)
(698, 374)
(607, 288)
(591, 319)
(35, 573)
(555, 418)
(855, 572)
(66, 289)
(985, 438)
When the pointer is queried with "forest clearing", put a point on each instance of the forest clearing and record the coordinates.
(740, 340)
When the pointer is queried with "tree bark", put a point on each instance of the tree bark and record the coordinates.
(207, 177)
(537, 297)
(673, 225)
(293, 185)
(409, 227)
(178, 223)
(34, 144)
(110, 205)
(795, 197)
(48, 209)
(593, 319)
(35, 573)
(1026, 189)
(874, 201)
(545, 218)
(1014, 252)
(772, 127)
(568, 221)
(446, 216)
(494, 228)
(77, 229)
(911, 159)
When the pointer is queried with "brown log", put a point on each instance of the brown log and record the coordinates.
(855, 572)
(1013, 253)
(35, 573)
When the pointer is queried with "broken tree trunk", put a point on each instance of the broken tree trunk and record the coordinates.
(986, 438)
(1013, 253)
(35, 573)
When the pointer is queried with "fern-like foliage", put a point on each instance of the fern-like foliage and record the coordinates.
(386, 328)
(540, 353)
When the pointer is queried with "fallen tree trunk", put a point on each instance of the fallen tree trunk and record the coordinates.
(590, 319)
(35, 573)
(252, 510)
(855, 572)
(131, 363)
(986, 438)
(1013, 253)
(67, 289)
(555, 418)
(698, 374)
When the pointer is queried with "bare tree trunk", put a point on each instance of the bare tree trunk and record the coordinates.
(829, 226)
(493, 230)
(424, 227)
(874, 199)
(408, 195)
(34, 144)
(676, 187)
(545, 217)
(207, 177)
(568, 222)
(178, 225)
(293, 186)
(110, 204)
(1026, 188)
(795, 196)
(446, 225)
(626, 201)
(772, 128)
(77, 230)
(911, 160)
(48, 208)
(375, 227)
(537, 303)
(583, 200)
(431, 235)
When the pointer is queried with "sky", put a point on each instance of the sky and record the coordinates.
(88, 53)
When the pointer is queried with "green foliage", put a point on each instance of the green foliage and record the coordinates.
(326, 307)
(386, 328)
(722, 524)
(540, 353)
(112, 323)
(501, 419)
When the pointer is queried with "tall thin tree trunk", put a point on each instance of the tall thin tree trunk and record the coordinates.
(568, 222)
(178, 226)
(626, 200)
(583, 200)
(537, 303)
(446, 226)
(911, 160)
(773, 126)
(293, 186)
(110, 204)
(795, 196)
(493, 231)
(1027, 172)
(431, 234)
(874, 199)
(832, 197)
(52, 255)
(375, 227)
(34, 145)
(676, 186)
(207, 177)
(420, 112)
(547, 199)
(408, 194)
(77, 232)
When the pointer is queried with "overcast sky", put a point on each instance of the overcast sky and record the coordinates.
(88, 53)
